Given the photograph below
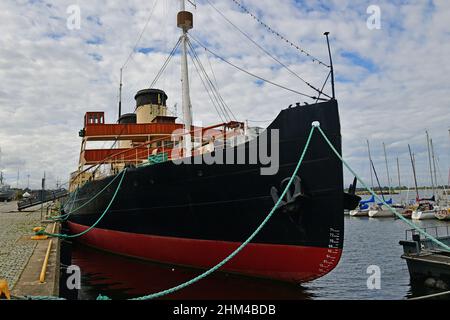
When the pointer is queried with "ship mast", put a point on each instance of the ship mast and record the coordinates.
(185, 22)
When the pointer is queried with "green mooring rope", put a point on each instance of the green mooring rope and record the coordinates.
(424, 233)
(242, 246)
(64, 236)
(66, 216)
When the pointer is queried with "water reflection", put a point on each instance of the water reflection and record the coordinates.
(121, 278)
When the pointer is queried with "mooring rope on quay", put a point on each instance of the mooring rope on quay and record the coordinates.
(315, 125)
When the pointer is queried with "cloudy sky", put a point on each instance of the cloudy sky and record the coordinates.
(392, 82)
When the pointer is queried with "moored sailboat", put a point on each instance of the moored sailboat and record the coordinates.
(443, 215)
(427, 208)
(425, 211)
(363, 208)
(380, 210)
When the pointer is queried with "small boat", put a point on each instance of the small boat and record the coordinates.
(443, 214)
(363, 209)
(424, 215)
(428, 264)
(380, 210)
(425, 211)
(427, 208)
(359, 213)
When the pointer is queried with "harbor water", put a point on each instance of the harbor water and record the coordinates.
(368, 242)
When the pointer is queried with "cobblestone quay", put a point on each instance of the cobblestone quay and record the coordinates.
(15, 245)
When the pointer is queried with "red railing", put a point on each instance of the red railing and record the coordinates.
(125, 154)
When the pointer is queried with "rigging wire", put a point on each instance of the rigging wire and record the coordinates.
(213, 97)
(212, 70)
(215, 80)
(220, 102)
(254, 75)
(314, 59)
(265, 51)
(140, 35)
(166, 62)
(225, 107)
(206, 89)
(323, 87)
(130, 55)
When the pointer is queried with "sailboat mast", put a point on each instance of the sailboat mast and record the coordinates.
(185, 22)
(434, 163)
(370, 164)
(429, 161)
(387, 168)
(398, 174)
(413, 162)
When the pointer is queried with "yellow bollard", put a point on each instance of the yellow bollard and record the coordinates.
(4, 290)
(39, 237)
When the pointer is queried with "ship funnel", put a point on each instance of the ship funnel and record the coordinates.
(127, 118)
(150, 103)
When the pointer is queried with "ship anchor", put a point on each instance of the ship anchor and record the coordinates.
(289, 203)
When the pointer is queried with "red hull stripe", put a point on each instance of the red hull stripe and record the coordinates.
(280, 262)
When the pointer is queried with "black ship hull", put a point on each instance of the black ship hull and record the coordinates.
(197, 214)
